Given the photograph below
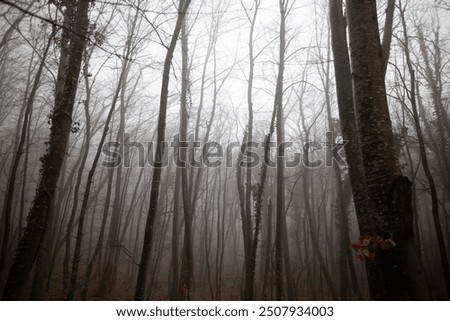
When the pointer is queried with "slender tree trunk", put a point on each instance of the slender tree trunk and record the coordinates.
(387, 33)
(347, 114)
(424, 158)
(268, 247)
(188, 270)
(98, 248)
(280, 206)
(312, 228)
(149, 226)
(250, 261)
(8, 33)
(432, 68)
(346, 264)
(175, 238)
(84, 156)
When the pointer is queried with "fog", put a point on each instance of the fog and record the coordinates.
(202, 150)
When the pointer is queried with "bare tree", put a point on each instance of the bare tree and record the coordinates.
(51, 162)
(188, 264)
(423, 155)
(148, 237)
(7, 209)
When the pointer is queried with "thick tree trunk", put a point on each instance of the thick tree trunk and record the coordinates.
(389, 191)
(51, 163)
(8, 206)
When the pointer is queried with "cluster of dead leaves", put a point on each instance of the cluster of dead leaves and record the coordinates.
(367, 245)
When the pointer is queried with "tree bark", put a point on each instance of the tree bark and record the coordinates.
(389, 191)
(8, 205)
(51, 163)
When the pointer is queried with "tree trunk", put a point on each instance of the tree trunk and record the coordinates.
(188, 266)
(8, 207)
(387, 33)
(389, 191)
(152, 212)
(424, 158)
(175, 239)
(51, 163)
(280, 206)
(250, 261)
(346, 264)
(347, 114)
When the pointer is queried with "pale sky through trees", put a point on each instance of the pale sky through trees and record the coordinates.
(110, 74)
